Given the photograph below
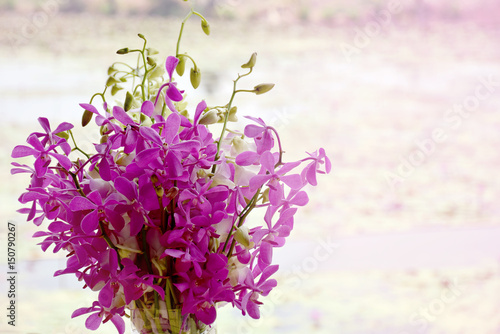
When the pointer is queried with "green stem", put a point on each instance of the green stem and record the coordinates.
(110, 243)
(226, 116)
(182, 29)
(76, 146)
(241, 218)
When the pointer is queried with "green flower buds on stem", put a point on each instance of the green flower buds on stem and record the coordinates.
(111, 70)
(129, 101)
(250, 63)
(152, 51)
(87, 117)
(115, 89)
(181, 65)
(123, 51)
(111, 81)
(263, 88)
(210, 117)
(151, 61)
(195, 77)
(232, 114)
(205, 26)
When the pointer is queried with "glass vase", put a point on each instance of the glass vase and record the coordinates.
(147, 320)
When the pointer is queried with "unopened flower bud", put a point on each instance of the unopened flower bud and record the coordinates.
(195, 77)
(181, 65)
(243, 238)
(205, 26)
(232, 114)
(159, 191)
(123, 51)
(156, 73)
(104, 139)
(87, 117)
(210, 117)
(129, 101)
(141, 36)
(251, 62)
(111, 70)
(154, 178)
(265, 196)
(63, 134)
(152, 51)
(111, 81)
(151, 61)
(263, 88)
(239, 145)
(115, 89)
(172, 192)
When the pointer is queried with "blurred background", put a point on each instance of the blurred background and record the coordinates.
(402, 237)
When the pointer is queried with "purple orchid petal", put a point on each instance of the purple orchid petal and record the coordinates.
(93, 322)
(294, 181)
(63, 127)
(63, 160)
(173, 93)
(148, 108)
(89, 107)
(106, 295)
(199, 109)
(90, 222)
(173, 123)
(151, 135)
(125, 187)
(207, 314)
(119, 323)
(311, 174)
(267, 161)
(21, 151)
(247, 158)
(45, 124)
(81, 203)
(120, 114)
(252, 130)
(177, 253)
(170, 65)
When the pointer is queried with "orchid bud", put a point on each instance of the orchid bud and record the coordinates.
(172, 192)
(104, 139)
(181, 65)
(129, 101)
(243, 238)
(87, 117)
(250, 63)
(239, 145)
(111, 69)
(263, 88)
(152, 51)
(195, 77)
(210, 117)
(123, 51)
(159, 191)
(63, 134)
(156, 73)
(115, 89)
(232, 114)
(265, 196)
(141, 36)
(151, 61)
(205, 26)
(111, 81)
(154, 179)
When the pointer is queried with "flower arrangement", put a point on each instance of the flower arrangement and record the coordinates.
(155, 219)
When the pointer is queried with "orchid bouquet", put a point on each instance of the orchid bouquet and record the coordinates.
(154, 219)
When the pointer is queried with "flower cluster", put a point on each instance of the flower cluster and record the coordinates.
(154, 219)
